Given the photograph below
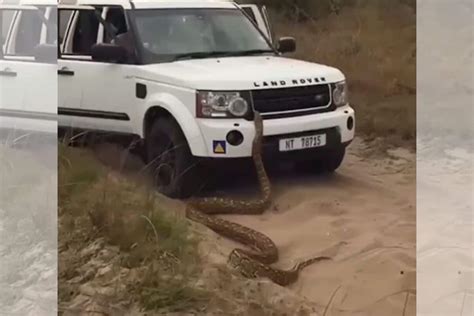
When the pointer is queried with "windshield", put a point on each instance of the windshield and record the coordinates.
(173, 34)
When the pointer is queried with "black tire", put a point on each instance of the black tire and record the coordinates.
(328, 163)
(175, 171)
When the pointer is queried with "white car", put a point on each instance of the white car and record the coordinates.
(28, 70)
(185, 77)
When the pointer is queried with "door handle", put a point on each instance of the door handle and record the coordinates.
(65, 72)
(7, 72)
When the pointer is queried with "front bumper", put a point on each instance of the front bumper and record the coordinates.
(214, 132)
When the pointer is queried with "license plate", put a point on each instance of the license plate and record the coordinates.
(303, 142)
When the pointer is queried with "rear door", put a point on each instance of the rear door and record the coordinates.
(259, 14)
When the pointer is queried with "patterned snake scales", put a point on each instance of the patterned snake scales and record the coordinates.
(256, 262)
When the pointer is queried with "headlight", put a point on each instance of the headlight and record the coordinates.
(221, 104)
(340, 94)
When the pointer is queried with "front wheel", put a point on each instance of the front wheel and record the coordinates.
(174, 169)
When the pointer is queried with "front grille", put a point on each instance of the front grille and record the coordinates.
(285, 102)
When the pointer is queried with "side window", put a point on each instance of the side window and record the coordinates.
(85, 32)
(80, 29)
(52, 27)
(64, 17)
(250, 13)
(6, 18)
(31, 34)
(116, 18)
(259, 15)
(28, 33)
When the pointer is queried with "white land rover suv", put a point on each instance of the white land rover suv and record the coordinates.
(185, 77)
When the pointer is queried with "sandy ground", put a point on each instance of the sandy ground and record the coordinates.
(368, 206)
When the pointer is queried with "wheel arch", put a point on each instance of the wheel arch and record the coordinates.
(183, 118)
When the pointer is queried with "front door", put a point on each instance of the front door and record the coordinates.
(106, 89)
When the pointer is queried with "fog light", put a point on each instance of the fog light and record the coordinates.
(235, 138)
(350, 123)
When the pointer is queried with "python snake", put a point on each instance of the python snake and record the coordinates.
(253, 263)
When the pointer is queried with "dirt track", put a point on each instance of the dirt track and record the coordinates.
(369, 205)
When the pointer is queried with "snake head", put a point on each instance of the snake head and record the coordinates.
(242, 264)
(234, 259)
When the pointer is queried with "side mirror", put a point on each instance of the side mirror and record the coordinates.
(109, 53)
(286, 45)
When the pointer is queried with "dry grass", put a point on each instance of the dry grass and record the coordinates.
(94, 204)
(375, 46)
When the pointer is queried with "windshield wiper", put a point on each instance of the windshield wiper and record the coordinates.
(196, 55)
(253, 52)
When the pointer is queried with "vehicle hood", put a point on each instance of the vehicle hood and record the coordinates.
(240, 73)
